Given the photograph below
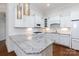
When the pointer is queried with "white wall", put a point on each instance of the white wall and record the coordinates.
(11, 16)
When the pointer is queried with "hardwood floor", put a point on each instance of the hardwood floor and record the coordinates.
(58, 50)
(3, 50)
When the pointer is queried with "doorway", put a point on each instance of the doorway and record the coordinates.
(2, 26)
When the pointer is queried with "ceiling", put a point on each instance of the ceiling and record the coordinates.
(45, 10)
(42, 7)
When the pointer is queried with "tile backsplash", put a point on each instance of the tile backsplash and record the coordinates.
(64, 31)
(59, 30)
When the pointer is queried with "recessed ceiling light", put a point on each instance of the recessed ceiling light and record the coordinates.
(48, 4)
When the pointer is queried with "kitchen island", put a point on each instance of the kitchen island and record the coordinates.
(31, 45)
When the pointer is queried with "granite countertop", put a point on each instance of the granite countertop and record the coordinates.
(34, 43)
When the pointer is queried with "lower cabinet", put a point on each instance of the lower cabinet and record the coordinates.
(46, 52)
(75, 44)
(20, 52)
(64, 40)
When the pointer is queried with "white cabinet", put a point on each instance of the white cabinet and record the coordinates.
(55, 37)
(75, 44)
(53, 20)
(13, 46)
(38, 20)
(47, 51)
(75, 14)
(28, 21)
(64, 40)
(17, 22)
(65, 21)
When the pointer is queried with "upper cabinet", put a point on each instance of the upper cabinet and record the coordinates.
(25, 16)
(75, 12)
(39, 21)
(53, 20)
(28, 21)
(65, 21)
(75, 15)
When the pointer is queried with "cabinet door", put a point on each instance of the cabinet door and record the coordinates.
(55, 38)
(38, 20)
(64, 40)
(53, 20)
(75, 14)
(25, 21)
(65, 21)
(75, 44)
(17, 22)
(47, 51)
(28, 21)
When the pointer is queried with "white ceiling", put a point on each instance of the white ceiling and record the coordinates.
(44, 9)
